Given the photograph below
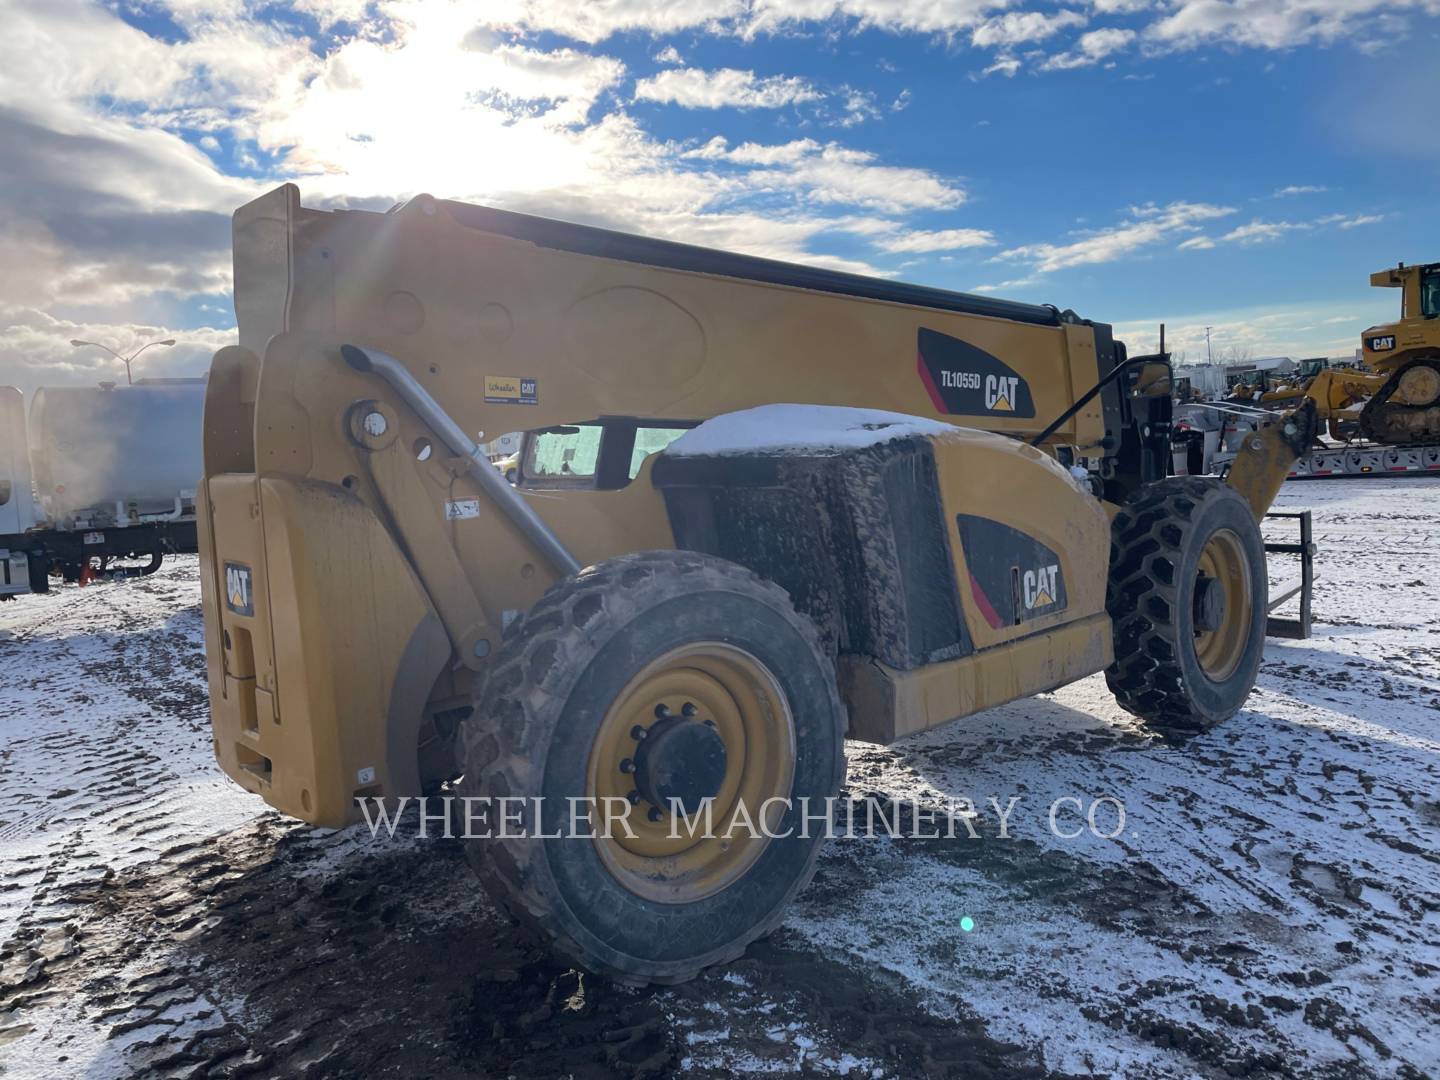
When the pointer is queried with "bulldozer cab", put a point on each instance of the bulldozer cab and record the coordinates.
(1419, 285)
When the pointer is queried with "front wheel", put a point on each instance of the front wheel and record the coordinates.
(643, 689)
(1188, 602)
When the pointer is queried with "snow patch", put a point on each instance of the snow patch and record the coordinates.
(817, 429)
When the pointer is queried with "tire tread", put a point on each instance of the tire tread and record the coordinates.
(502, 743)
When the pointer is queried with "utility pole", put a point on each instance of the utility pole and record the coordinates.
(1209, 359)
(126, 360)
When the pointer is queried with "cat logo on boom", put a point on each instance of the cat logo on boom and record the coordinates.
(1000, 392)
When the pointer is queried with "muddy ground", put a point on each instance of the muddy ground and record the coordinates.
(1270, 908)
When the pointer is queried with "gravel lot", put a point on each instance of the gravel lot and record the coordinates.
(1270, 908)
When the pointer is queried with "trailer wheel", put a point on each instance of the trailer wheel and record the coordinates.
(1188, 602)
(39, 564)
(641, 685)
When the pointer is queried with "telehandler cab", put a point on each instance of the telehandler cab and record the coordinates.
(760, 507)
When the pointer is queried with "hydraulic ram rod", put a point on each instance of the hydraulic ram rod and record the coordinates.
(453, 436)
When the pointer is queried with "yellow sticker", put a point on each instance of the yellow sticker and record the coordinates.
(511, 390)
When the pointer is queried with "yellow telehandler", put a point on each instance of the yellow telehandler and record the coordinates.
(759, 508)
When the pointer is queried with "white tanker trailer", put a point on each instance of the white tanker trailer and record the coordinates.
(96, 475)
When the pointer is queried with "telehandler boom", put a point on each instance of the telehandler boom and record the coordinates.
(760, 507)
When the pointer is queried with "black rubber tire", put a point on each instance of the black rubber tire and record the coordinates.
(1156, 541)
(39, 572)
(534, 721)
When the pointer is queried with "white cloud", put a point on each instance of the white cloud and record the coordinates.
(329, 12)
(749, 153)
(1274, 24)
(595, 20)
(1361, 219)
(1013, 283)
(1090, 49)
(1298, 189)
(896, 16)
(1261, 232)
(1003, 65)
(859, 107)
(1016, 27)
(1264, 232)
(831, 173)
(694, 88)
(919, 240)
(1147, 225)
(669, 55)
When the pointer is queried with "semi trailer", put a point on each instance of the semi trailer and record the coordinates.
(94, 477)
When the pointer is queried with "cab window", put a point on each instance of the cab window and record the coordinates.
(1430, 292)
(570, 452)
(651, 440)
(607, 453)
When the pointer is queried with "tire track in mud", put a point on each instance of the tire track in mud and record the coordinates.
(281, 951)
(140, 944)
(105, 716)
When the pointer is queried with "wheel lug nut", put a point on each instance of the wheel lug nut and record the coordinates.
(709, 723)
(637, 733)
(654, 814)
(627, 766)
(661, 711)
(634, 797)
(688, 709)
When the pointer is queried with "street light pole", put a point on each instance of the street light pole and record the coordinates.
(126, 360)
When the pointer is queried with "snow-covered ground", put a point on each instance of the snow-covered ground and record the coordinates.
(1271, 907)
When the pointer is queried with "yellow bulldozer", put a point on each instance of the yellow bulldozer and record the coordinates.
(1394, 397)
(760, 508)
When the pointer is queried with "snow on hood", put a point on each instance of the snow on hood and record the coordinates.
(822, 429)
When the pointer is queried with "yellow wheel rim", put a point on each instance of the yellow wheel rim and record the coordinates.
(1223, 562)
(660, 857)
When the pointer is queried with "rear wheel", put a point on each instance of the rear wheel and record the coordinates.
(644, 686)
(39, 572)
(1188, 602)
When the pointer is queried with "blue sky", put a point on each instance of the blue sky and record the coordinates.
(1239, 164)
